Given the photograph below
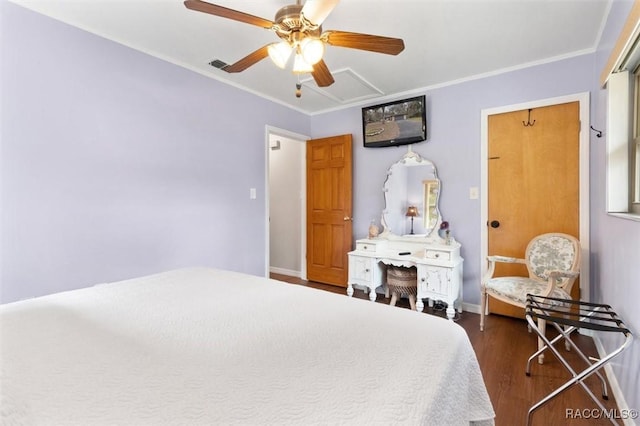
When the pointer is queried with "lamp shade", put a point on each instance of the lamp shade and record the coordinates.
(301, 66)
(280, 53)
(412, 211)
(312, 50)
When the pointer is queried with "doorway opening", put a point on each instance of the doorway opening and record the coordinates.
(285, 191)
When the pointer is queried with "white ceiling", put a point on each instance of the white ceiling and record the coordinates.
(445, 41)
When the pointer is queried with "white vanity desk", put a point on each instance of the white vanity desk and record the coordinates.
(411, 182)
(439, 268)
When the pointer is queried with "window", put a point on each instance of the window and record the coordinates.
(622, 78)
(623, 143)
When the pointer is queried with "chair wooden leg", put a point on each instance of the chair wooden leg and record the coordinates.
(542, 327)
(412, 302)
(394, 298)
(483, 308)
(567, 345)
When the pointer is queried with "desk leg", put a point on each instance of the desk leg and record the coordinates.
(372, 294)
(451, 313)
(419, 304)
(349, 289)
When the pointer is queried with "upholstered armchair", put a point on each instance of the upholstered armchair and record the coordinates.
(553, 263)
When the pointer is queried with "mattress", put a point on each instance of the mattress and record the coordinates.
(201, 346)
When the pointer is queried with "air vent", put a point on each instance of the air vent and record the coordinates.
(217, 63)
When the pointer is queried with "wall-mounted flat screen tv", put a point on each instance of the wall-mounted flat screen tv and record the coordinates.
(395, 123)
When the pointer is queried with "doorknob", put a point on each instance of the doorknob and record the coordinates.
(494, 224)
(346, 218)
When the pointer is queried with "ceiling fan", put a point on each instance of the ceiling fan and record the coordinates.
(300, 28)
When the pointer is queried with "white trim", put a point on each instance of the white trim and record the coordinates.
(471, 307)
(629, 216)
(288, 272)
(422, 90)
(583, 99)
(271, 130)
(618, 125)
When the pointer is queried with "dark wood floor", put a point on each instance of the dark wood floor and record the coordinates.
(502, 351)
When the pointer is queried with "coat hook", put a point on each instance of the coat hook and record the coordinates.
(529, 122)
(598, 132)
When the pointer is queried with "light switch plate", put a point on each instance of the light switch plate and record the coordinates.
(252, 193)
(473, 193)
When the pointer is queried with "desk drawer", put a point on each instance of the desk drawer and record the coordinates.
(437, 254)
(367, 247)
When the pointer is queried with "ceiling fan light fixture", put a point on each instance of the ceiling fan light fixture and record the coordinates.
(299, 27)
(300, 66)
(280, 53)
(312, 50)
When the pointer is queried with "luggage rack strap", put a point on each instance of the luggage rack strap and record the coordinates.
(592, 316)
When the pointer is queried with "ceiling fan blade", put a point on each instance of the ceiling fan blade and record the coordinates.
(251, 59)
(316, 11)
(322, 75)
(224, 12)
(372, 43)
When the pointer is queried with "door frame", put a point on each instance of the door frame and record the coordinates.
(269, 131)
(584, 140)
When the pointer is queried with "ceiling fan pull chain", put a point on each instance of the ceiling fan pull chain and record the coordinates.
(298, 88)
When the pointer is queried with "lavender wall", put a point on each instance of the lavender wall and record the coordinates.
(615, 242)
(116, 164)
(453, 144)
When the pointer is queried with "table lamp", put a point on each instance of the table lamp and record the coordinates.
(412, 211)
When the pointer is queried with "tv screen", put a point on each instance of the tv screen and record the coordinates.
(395, 123)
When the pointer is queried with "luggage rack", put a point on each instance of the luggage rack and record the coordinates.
(573, 315)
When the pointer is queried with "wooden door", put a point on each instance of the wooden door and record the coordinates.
(329, 209)
(533, 183)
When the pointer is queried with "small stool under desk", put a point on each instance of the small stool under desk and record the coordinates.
(573, 315)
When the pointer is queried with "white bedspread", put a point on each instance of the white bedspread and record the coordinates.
(203, 347)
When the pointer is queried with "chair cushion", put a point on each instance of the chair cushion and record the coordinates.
(517, 288)
(550, 253)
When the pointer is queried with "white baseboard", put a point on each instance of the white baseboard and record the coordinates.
(283, 271)
(613, 380)
(470, 307)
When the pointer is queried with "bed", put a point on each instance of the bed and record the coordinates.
(202, 346)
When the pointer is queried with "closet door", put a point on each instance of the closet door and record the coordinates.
(533, 171)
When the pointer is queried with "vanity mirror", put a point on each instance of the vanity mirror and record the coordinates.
(412, 182)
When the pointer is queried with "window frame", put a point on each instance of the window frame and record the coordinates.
(634, 171)
(621, 76)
